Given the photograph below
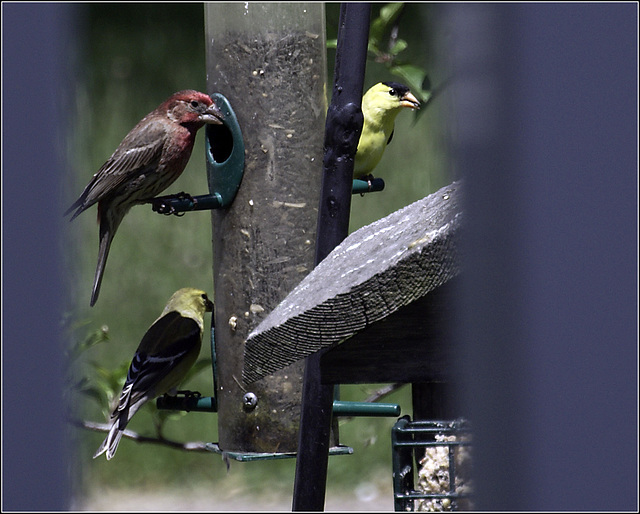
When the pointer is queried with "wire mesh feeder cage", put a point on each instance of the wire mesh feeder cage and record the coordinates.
(431, 465)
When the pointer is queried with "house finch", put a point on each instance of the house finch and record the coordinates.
(380, 106)
(147, 161)
(166, 353)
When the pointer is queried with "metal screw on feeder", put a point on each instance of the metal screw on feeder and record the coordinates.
(249, 401)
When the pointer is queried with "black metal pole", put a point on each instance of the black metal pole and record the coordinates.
(342, 131)
(343, 127)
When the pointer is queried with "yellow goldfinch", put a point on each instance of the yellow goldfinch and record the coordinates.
(380, 106)
(166, 353)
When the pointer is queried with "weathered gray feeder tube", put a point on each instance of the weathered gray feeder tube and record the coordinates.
(269, 61)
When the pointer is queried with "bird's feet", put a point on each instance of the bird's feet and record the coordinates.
(189, 394)
(368, 179)
(164, 204)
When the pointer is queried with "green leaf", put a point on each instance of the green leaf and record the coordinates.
(93, 338)
(390, 12)
(98, 395)
(110, 381)
(400, 45)
(373, 50)
(380, 25)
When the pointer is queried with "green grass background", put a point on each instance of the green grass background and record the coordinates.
(129, 58)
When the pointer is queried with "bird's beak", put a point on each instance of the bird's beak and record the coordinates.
(212, 115)
(410, 101)
(208, 306)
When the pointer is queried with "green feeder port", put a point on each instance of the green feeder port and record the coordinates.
(225, 154)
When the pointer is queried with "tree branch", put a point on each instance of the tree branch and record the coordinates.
(379, 394)
(192, 446)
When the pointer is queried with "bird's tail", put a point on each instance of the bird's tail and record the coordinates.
(77, 206)
(105, 243)
(110, 218)
(110, 443)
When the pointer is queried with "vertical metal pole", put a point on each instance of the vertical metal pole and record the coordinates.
(342, 131)
(433, 400)
(402, 463)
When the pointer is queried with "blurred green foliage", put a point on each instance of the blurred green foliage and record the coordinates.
(385, 47)
(130, 57)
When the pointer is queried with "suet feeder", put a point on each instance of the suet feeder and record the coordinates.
(432, 465)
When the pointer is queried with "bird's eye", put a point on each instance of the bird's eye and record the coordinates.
(194, 104)
(393, 92)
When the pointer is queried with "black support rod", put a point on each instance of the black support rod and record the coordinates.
(342, 132)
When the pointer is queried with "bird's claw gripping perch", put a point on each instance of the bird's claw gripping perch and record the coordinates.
(368, 180)
(179, 400)
(367, 184)
(189, 394)
(164, 204)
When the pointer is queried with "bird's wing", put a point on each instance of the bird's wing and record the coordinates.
(167, 342)
(140, 150)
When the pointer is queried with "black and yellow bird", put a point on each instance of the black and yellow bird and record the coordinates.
(380, 106)
(166, 353)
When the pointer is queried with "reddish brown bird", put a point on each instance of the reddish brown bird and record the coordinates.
(147, 161)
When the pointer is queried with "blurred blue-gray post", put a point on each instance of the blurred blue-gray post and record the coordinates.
(35, 455)
(546, 99)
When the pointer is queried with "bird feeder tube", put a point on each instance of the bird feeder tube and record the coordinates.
(269, 60)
